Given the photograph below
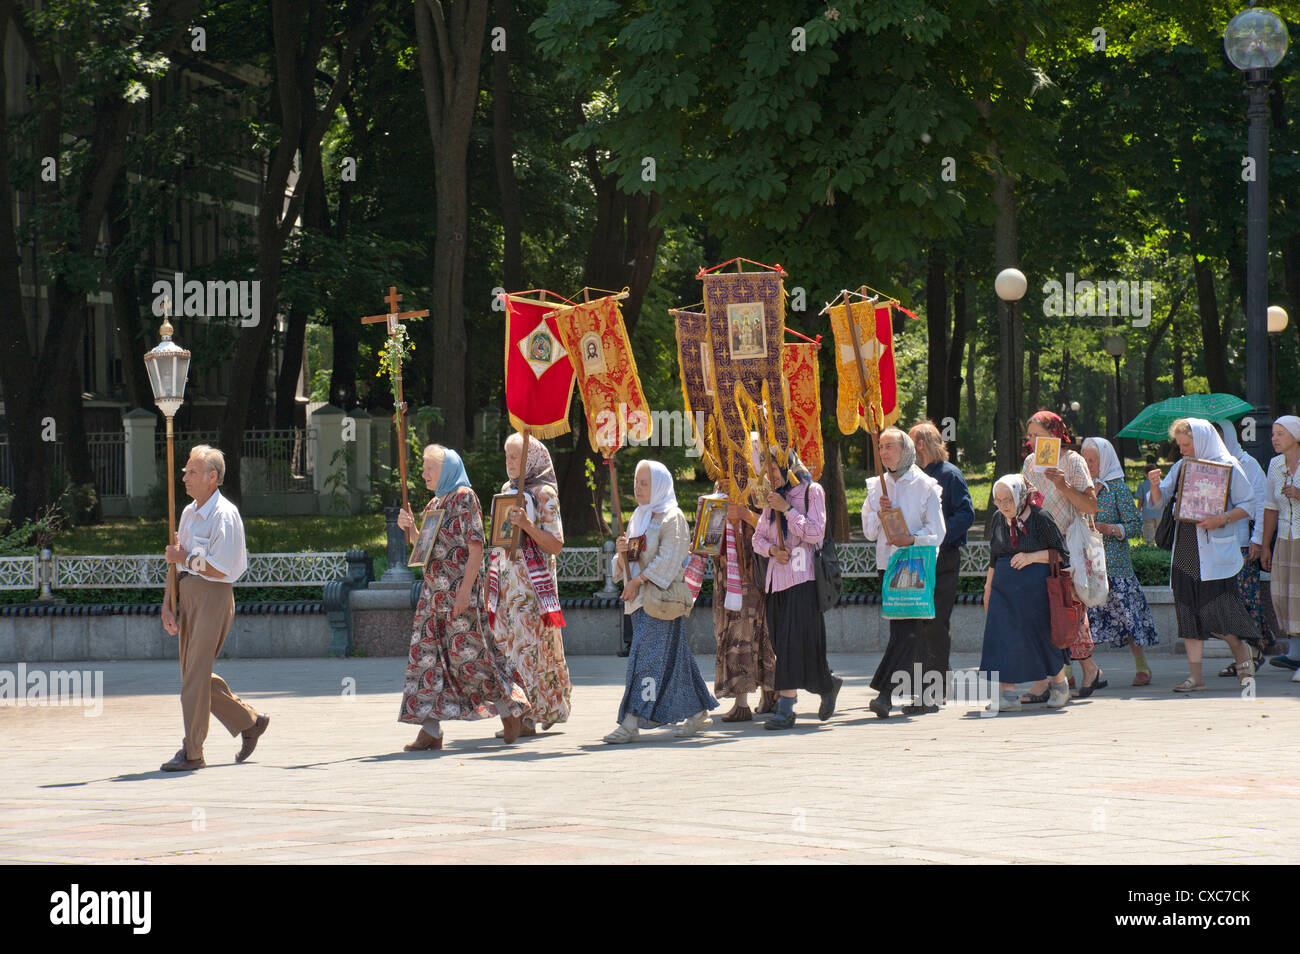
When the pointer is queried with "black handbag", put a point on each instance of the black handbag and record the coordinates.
(1165, 528)
(830, 579)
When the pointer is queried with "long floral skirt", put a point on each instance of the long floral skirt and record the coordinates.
(1125, 617)
(455, 671)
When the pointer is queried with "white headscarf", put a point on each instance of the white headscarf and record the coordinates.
(1206, 443)
(1016, 486)
(1230, 439)
(1109, 467)
(663, 499)
(1291, 423)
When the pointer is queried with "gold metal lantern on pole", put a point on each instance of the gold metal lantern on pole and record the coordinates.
(168, 365)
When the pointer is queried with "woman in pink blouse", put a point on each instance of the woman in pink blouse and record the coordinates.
(789, 532)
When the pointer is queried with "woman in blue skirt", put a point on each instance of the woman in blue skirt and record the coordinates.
(664, 684)
(1018, 623)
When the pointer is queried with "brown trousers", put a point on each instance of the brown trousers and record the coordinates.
(207, 608)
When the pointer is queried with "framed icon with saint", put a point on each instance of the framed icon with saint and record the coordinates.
(1202, 490)
(424, 541)
(504, 532)
(710, 526)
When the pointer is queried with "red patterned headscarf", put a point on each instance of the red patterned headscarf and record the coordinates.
(1054, 426)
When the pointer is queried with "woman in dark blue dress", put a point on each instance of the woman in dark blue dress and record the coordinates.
(1018, 624)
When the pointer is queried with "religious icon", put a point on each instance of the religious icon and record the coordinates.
(424, 542)
(504, 531)
(746, 330)
(710, 525)
(1202, 490)
(706, 367)
(894, 524)
(539, 348)
(1047, 452)
(593, 354)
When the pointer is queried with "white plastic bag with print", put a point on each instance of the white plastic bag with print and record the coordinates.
(1087, 562)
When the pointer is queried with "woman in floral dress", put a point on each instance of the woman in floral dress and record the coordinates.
(523, 598)
(454, 671)
(745, 660)
(1125, 618)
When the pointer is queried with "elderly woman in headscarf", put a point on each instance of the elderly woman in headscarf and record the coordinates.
(664, 684)
(1283, 560)
(1017, 617)
(790, 530)
(1206, 558)
(523, 596)
(745, 661)
(1125, 618)
(454, 670)
(920, 498)
(1067, 494)
(1250, 537)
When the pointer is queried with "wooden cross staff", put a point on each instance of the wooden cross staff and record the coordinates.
(392, 317)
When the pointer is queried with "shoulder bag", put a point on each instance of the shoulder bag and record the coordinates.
(1067, 612)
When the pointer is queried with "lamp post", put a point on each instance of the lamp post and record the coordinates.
(168, 364)
(1277, 319)
(1255, 41)
(1010, 286)
(1115, 347)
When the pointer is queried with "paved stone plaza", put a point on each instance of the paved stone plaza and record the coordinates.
(1131, 776)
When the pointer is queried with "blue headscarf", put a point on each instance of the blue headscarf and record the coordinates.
(453, 474)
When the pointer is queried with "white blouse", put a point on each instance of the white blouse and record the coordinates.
(920, 497)
(1288, 522)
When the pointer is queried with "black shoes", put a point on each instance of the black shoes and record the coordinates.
(880, 706)
(827, 708)
(919, 710)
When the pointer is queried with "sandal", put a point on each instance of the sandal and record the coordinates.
(1188, 686)
(1032, 699)
(424, 742)
(1143, 678)
(1246, 672)
(739, 714)
(621, 734)
(1097, 683)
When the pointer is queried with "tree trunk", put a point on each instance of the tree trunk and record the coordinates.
(315, 216)
(504, 150)
(972, 399)
(936, 320)
(450, 50)
(1207, 306)
(956, 349)
(297, 38)
(132, 333)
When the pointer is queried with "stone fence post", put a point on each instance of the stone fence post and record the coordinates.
(141, 428)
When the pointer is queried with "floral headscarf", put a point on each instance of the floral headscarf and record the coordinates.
(1054, 426)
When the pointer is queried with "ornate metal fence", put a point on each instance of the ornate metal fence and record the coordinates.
(272, 460)
(574, 565)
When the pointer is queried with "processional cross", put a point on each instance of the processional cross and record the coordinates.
(394, 351)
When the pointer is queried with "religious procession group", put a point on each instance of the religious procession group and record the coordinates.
(1060, 578)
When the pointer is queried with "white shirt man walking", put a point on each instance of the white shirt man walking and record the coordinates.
(210, 556)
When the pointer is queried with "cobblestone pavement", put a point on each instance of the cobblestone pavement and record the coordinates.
(1132, 775)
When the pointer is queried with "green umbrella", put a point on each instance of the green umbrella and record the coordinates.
(1153, 423)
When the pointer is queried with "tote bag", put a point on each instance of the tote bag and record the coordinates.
(1067, 612)
(1087, 562)
(908, 591)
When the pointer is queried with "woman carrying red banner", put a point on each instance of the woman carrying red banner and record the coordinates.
(523, 598)
(454, 670)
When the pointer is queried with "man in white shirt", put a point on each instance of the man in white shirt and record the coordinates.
(209, 556)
